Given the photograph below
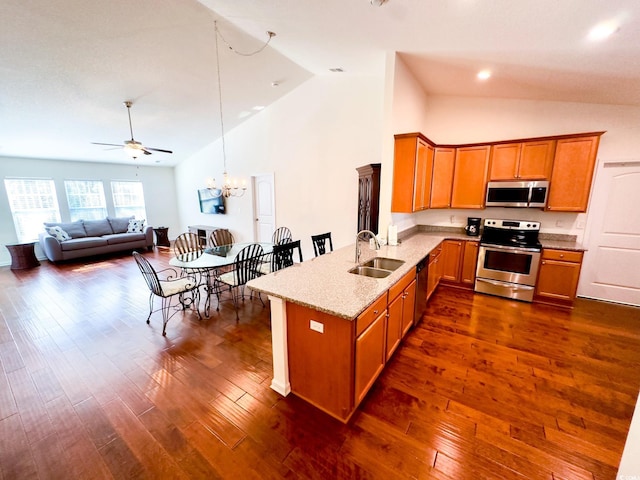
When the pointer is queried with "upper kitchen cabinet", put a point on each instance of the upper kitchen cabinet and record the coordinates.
(412, 167)
(572, 173)
(522, 161)
(442, 179)
(470, 177)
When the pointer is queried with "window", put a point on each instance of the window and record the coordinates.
(128, 199)
(32, 202)
(86, 199)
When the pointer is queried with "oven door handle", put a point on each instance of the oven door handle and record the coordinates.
(512, 286)
(509, 249)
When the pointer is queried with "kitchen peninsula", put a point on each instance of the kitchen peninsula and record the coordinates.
(332, 330)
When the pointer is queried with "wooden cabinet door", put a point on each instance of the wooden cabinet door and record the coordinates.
(469, 263)
(572, 174)
(558, 276)
(370, 356)
(442, 178)
(394, 325)
(470, 177)
(432, 275)
(536, 160)
(451, 255)
(424, 167)
(504, 161)
(412, 169)
(408, 307)
(558, 280)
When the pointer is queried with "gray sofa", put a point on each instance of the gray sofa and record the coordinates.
(85, 238)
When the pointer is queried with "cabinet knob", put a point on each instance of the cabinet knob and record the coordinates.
(544, 263)
(562, 255)
(375, 312)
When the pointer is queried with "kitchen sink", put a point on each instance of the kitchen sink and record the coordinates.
(384, 263)
(370, 271)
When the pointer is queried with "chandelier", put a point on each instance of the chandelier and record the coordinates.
(230, 187)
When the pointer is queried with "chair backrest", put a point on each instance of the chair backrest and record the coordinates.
(221, 236)
(149, 274)
(320, 243)
(246, 265)
(187, 243)
(281, 235)
(282, 255)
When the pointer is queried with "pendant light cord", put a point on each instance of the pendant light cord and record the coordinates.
(224, 152)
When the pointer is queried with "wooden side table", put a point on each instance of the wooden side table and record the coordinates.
(162, 237)
(22, 256)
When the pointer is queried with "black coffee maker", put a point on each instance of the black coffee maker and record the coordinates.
(473, 226)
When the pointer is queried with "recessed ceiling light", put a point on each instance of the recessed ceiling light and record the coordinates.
(484, 74)
(603, 30)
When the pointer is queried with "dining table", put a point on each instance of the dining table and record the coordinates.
(208, 263)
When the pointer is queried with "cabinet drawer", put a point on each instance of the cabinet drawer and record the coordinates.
(370, 314)
(401, 284)
(564, 255)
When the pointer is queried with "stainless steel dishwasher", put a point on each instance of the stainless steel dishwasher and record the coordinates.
(422, 270)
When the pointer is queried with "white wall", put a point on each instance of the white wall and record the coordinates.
(158, 184)
(312, 139)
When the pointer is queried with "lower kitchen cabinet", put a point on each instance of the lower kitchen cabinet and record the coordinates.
(370, 355)
(333, 362)
(435, 270)
(402, 301)
(558, 276)
(469, 263)
(460, 258)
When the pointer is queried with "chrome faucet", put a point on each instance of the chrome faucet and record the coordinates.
(375, 239)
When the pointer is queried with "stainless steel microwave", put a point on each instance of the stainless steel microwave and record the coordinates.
(527, 194)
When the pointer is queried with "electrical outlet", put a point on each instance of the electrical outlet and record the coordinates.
(452, 218)
(559, 223)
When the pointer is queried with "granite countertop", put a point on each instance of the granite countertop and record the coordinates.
(325, 284)
(562, 244)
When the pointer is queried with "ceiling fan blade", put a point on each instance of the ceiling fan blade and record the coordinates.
(108, 144)
(146, 152)
(158, 150)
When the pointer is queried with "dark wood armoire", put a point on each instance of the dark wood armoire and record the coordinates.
(368, 197)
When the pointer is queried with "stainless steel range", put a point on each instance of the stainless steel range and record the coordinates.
(508, 258)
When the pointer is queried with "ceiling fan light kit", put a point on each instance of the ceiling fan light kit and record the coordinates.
(132, 148)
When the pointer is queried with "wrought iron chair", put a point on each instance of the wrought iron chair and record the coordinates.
(281, 235)
(246, 266)
(220, 237)
(187, 243)
(170, 286)
(320, 243)
(282, 256)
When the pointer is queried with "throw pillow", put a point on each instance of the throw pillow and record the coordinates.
(97, 228)
(73, 229)
(119, 224)
(135, 226)
(58, 233)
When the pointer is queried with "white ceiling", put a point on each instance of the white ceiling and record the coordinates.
(66, 66)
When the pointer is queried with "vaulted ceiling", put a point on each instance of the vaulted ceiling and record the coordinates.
(66, 67)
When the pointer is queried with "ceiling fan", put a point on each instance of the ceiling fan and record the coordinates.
(131, 147)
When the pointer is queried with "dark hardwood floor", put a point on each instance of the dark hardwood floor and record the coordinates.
(483, 387)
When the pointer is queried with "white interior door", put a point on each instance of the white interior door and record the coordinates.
(264, 208)
(611, 268)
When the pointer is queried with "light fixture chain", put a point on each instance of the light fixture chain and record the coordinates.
(224, 152)
(245, 54)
